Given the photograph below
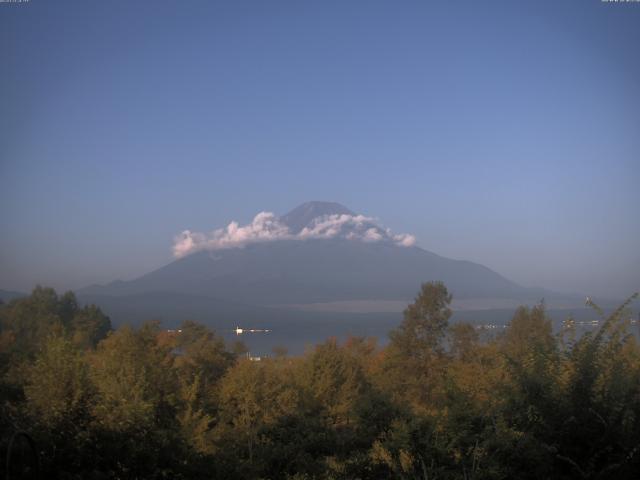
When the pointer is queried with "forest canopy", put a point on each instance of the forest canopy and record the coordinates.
(82, 400)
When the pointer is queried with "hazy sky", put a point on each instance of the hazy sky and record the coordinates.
(502, 132)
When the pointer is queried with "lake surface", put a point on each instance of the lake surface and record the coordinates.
(298, 334)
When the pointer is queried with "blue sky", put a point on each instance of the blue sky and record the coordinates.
(502, 132)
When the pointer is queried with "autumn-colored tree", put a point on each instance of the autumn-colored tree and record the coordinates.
(135, 407)
(25, 323)
(254, 396)
(438, 401)
(414, 366)
(201, 359)
(59, 395)
(200, 352)
(88, 326)
(597, 432)
(335, 380)
(425, 323)
(29, 321)
(464, 341)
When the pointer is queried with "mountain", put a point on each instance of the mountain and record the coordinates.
(331, 260)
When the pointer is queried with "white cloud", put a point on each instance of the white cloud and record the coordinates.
(372, 235)
(267, 227)
(264, 227)
(331, 226)
(404, 240)
(187, 242)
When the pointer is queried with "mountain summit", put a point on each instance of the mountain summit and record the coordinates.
(310, 221)
(303, 215)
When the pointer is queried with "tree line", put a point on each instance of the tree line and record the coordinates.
(81, 400)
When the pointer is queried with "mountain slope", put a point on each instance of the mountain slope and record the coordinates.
(315, 271)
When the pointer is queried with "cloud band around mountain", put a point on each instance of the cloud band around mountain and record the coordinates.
(266, 227)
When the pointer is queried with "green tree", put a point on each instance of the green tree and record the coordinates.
(335, 380)
(597, 431)
(59, 395)
(29, 321)
(58, 388)
(133, 378)
(88, 326)
(254, 397)
(414, 361)
(201, 353)
(135, 407)
(425, 323)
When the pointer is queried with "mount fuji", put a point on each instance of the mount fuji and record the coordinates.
(319, 258)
